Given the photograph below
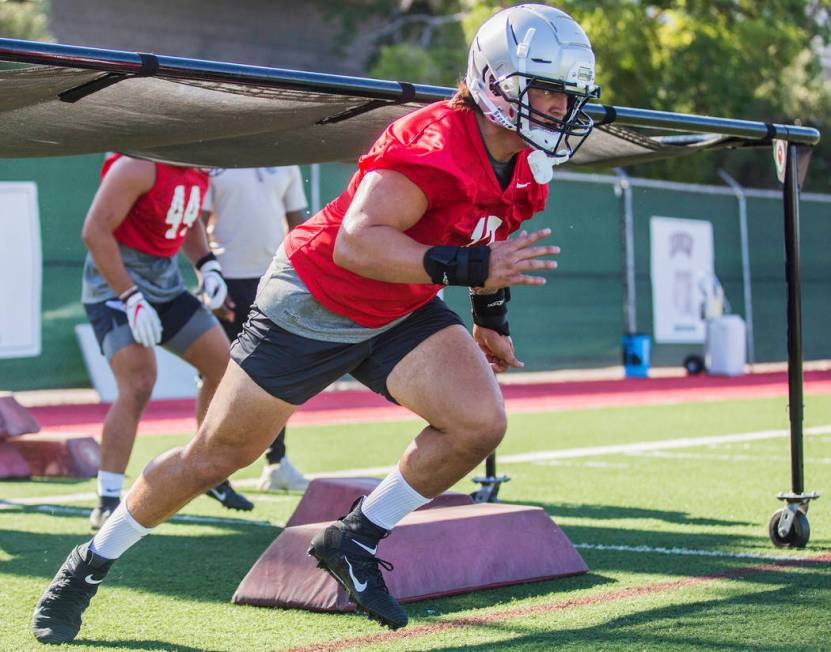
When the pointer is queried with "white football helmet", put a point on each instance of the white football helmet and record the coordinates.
(538, 46)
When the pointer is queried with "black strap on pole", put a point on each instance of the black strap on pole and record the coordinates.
(795, 407)
(149, 67)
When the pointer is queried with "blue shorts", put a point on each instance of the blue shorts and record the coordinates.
(184, 320)
(295, 368)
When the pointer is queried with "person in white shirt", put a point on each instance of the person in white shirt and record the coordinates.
(248, 212)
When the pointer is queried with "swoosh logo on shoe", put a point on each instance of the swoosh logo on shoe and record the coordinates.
(219, 496)
(371, 551)
(89, 579)
(360, 587)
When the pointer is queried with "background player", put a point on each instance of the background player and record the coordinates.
(135, 298)
(248, 212)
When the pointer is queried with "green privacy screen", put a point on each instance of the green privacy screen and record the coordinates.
(575, 320)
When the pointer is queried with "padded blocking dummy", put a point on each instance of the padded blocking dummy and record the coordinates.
(12, 463)
(15, 420)
(436, 552)
(327, 499)
(70, 457)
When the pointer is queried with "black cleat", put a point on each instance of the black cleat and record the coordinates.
(346, 550)
(57, 617)
(99, 515)
(229, 498)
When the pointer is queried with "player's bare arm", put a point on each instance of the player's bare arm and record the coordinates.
(372, 242)
(122, 186)
(195, 245)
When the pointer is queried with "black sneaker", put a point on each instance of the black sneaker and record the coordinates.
(229, 498)
(57, 616)
(346, 550)
(106, 506)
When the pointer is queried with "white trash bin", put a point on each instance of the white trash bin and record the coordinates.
(725, 349)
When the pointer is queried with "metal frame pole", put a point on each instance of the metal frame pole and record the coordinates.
(314, 170)
(624, 187)
(795, 406)
(745, 244)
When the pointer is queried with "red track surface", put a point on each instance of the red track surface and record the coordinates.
(163, 417)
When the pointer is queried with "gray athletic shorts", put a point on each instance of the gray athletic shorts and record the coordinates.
(184, 320)
(295, 368)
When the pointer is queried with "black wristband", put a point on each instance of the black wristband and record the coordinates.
(491, 310)
(466, 266)
(205, 259)
(130, 291)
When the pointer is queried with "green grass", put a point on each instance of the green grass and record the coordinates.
(172, 591)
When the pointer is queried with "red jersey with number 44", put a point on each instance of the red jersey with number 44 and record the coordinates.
(160, 218)
(440, 149)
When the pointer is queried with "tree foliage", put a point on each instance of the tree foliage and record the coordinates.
(24, 19)
(733, 58)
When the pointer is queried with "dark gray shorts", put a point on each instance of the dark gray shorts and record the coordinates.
(295, 368)
(184, 320)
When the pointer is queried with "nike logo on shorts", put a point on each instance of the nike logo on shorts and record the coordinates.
(89, 579)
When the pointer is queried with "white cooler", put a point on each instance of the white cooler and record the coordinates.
(725, 348)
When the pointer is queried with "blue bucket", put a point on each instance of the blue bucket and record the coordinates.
(636, 353)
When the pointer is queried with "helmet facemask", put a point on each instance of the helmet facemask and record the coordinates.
(558, 138)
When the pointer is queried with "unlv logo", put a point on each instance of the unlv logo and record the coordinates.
(485, 230)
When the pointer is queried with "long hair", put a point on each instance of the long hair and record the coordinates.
(463, 99)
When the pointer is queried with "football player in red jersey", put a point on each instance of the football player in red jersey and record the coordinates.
(134, 296)
(354, 289)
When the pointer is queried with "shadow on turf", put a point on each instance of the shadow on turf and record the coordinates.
(204, 567)
(632, 631)
(600, 512)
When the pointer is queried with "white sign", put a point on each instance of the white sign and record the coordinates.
(681, 264)
(20, 271)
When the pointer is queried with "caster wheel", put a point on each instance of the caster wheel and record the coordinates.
(796, 538)
(693, 364)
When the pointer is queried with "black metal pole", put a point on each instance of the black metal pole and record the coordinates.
(490, 466)
(791, 198)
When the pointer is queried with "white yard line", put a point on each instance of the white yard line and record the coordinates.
(687, 552)
(208, 520)
(179, 518)
(521, 458)
(663, 444)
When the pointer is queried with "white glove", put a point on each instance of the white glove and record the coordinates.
(143, 319)
(213, 287)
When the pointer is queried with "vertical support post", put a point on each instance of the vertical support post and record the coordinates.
(490, 466)
(745, 245)
(315, 183)
(624, 188)
(791, 200)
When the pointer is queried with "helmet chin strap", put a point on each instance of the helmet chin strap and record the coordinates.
(542, 165)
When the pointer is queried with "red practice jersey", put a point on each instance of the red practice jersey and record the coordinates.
(159, 219)
(438, 148)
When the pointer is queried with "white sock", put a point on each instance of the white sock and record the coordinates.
(118, 533)
(391, 501)
(110, 484)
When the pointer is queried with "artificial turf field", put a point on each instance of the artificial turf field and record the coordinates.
(675, 539)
